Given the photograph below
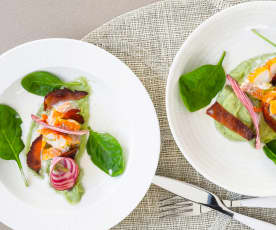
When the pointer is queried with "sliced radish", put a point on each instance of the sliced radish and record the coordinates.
(63, 173)
(248, 105)
(41, 122)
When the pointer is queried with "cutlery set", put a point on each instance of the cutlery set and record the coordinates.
(200, 201)
(175, 206)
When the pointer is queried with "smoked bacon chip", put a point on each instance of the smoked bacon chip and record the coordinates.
(74, 115)
(62, 95)
(267, 117)
(221, 115)
(71, 153)
(34, 155)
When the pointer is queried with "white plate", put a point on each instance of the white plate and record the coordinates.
(233, 165)
(120, 105)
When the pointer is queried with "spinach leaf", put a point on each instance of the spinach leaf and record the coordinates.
(270, 150)
(42, 82)
(199, 87)
(11, 144)
(106, 153)
(270, 154)
(272, 145)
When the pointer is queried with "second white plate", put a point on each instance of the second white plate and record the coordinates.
(235, 166)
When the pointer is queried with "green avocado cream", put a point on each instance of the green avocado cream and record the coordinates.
(231, 103)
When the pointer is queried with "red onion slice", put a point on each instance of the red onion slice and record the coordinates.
(248, 105)
(63, 179)
(39, 121)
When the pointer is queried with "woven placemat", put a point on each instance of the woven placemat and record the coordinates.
(147, 40)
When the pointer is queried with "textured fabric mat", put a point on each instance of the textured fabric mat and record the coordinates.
(147, 40)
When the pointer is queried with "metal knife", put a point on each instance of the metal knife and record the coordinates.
(258, 202)
(203, 197)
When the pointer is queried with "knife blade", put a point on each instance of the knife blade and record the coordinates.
(183, 189)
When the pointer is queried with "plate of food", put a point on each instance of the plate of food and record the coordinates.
(76, 127)
(221, 95)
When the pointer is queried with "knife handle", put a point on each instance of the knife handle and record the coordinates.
(262, 202)
(254, 223)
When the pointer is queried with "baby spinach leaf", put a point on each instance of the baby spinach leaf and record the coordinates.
(272, 145)
(199, 87)
(270, 150)
(11, 144)
(270, 154)
(42, 82)
(106, 153)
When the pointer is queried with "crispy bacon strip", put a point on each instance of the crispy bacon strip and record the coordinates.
(74, 115)
(62, 95)
(221, 115)
(33, 156)
(273, 81)
(71, 153)
(267, 117)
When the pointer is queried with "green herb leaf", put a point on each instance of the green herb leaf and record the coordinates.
(11, 144)
(272, 145)
(199, 87)
(270, 154)
(106, 153)
(41, 83)
(270, 150)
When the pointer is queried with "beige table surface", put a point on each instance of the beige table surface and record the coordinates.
(26, 20)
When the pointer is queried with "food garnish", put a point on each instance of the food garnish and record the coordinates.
(34, 155)
(248, 105)
(73, 114)
(270, 150)
(221, 115)
(61, 127)
(199, 87)
(63, 173)
(11, 144)
(39, 121)
(268, 116)
(43, 82)
(70, 153)
(59, 95)
(61, 124)
(106, 153)
(263, 37)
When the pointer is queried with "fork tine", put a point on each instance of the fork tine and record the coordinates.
(169, 200)
(175, 206)
(176, 212)
(188, 208)
(172, 200)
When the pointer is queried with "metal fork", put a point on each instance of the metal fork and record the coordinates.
(176, 206)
